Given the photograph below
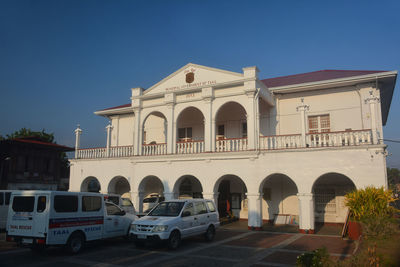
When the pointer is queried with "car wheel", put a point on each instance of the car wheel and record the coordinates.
(75, 243)
(174, 240)
(210, 233)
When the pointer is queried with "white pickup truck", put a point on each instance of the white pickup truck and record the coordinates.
(44, 218)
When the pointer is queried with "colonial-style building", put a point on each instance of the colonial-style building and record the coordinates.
(289, 146)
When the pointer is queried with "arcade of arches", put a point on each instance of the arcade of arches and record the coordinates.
(278, 195)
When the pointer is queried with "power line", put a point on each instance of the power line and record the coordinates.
(389, 140)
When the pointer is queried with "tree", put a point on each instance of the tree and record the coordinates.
(393, 175)
(23, 132)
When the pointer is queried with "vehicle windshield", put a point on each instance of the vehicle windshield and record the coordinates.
(171, 209)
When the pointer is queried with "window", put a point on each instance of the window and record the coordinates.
(91, 203)
(41, 206)
(188, 211)
(23, 204)
(319, 124)
(66, 203)
(113, 199)
(113, 209)
(126, 203)
(200, 207)
(210, 206)
(244, 129)
(185, 134)
(221, 129)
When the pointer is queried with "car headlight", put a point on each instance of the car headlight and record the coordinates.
(133, 227)
(160, 228)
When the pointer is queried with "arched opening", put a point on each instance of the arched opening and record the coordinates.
(151, 190)
(190, 125)
(231, 121)
(188, 186)
(154, 129)
(119, 185)
(232, 199)
(91, 184)
(329, 191)
(280, 203)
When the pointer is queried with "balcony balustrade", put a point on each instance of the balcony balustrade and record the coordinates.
(276, 142)
(190, 147)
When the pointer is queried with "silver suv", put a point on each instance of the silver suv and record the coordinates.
(174, 220)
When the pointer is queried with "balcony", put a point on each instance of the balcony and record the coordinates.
(266, 143)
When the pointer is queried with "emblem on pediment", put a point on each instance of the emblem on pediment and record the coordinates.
(190, 75)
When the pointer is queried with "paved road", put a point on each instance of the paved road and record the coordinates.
(230, 248)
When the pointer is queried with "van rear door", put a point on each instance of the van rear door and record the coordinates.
(20, 216)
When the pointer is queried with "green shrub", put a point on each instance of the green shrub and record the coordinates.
(370, 202)
(316, 258)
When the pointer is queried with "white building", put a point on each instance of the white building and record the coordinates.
(290, 145)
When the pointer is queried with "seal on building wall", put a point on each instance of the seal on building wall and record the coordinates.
(190, 77)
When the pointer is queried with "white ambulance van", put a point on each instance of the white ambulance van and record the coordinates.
(43, 218)
(4, 203)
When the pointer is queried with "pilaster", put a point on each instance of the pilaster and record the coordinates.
(306, 213)
(303, 108)
(254, 211)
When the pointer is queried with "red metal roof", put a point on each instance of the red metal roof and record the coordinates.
(38, 142)
(307, 77)
(315, 76)
(121, 106)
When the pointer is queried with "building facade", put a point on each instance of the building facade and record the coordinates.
(32, 164)
(289, 146)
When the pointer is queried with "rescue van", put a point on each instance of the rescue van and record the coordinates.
(45, 218)
(4, 202)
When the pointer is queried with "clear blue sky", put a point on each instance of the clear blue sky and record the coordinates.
(62, 60)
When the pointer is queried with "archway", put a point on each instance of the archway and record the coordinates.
(231, 121)
(279, 201)
(154, 129)
(190, 125)
(188, 186)
(91, 184)
(232, 199)
(119, 185)
(329, 191)
(148, 187)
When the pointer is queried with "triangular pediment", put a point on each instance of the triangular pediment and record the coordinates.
(192, 75)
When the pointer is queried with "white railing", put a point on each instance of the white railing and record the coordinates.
(156, 149)
(331, 139)
(191, 147)
(121, 151)
(91, 153)
(231, 144)
(280, 141)
(346, 138)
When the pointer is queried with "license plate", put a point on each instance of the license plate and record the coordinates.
(27, 240)
(141, 236)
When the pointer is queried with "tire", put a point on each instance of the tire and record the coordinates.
(210, 233)
(75, 243)
(174, 240)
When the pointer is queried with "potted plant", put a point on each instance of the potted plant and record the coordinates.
(365, 205)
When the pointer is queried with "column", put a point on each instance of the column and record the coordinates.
(213, 135)
(135, 200)
(169, 101)
(207, 94)
(213, 196)
(208, 126)
(303, 108)
(169, 195)
(108, 128)
(373, 101)
(251, 124)
(254, 211)
(78, 132)
(306, 213)
(137, 143)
